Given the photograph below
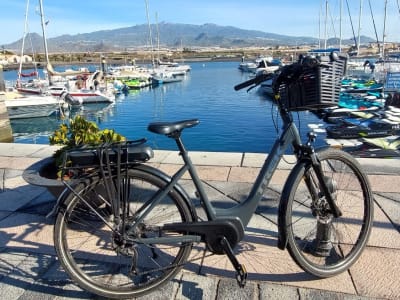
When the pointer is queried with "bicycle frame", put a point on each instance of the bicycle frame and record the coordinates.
(244, 210)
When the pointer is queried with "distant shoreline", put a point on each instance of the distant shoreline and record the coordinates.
(13, 67)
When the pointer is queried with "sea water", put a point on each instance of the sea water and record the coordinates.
(230, 121)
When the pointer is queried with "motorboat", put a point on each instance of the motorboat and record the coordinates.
(174, 67)
(164, 77)
(85, 88)
(268, 65)
(30, 106)
(85, 95)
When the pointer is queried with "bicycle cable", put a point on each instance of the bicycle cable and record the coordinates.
(275, 121)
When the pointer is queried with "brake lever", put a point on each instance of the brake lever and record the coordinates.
(250, 88)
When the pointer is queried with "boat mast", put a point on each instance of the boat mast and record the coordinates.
(373, 21)
(150, 34)
(158, 39)
(359, 28)
(23, 42)
(340, 25)
(384, 33)
(352, 27)
(319, 26)
(326, 26)
(46, 52)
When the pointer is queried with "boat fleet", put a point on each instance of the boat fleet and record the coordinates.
(65, 90)
(366, 120)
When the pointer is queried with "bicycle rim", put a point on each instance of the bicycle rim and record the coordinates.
(319, 243)
(99, 260)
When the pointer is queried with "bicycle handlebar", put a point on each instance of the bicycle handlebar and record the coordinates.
(256, 81)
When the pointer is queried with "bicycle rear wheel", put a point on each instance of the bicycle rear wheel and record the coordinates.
(320, 243)
(97, 255)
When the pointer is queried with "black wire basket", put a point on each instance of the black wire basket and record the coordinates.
(316, 87)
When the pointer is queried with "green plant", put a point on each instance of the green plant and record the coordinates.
(80, 132)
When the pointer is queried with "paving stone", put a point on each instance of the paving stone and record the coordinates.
(228, 289)
(167, 291)
(384, 183)
(216, 158)
(197, 287)
(383, 233)
(29, 232)
(61, 286)
(311, 294)
(376, 273)
(278, 292)
(17, 163)
(23, 276)
(12, 200)
(391, 209)
(4, 214)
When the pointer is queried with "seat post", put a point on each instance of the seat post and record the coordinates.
(179, 143)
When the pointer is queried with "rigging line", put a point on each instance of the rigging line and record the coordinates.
(373, 22)
(35, 65)
(351, 22)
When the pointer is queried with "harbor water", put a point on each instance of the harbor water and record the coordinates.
(230, 121)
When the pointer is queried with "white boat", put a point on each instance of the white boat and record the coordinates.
(83, 95)
(30, 106)
(248, 67)
(174, 67)
(165, 77)
(268, 65)
(86, 89)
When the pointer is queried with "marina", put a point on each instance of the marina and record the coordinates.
(230, 121)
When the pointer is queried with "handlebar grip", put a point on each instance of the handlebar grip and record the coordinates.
(245, 84)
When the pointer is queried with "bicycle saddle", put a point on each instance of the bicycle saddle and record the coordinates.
(168, 128)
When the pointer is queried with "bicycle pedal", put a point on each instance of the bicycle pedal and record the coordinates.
(241, 273)
(241, 276)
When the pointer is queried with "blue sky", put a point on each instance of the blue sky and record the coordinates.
(288, 17)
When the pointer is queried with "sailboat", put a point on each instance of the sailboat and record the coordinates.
(30, 86)
(162, 72)
(20, 105)
(80, 84)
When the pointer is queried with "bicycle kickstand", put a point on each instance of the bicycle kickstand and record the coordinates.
(241, 273)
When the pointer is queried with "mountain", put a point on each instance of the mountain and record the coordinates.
(172, 35)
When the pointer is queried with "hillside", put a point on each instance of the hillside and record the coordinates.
(172, 36)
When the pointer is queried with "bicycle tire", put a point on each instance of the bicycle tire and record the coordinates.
(320, 244)
(86, 248)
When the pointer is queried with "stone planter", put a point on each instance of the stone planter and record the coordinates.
(43, 173)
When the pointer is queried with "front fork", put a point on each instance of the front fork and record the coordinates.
(323, 192)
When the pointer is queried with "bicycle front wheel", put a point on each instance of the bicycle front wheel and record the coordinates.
(101, 256)
(320, 243)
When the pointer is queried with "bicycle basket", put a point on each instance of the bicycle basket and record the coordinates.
(316, 87)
